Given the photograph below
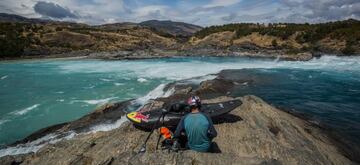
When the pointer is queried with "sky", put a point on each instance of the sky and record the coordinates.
(200, 12)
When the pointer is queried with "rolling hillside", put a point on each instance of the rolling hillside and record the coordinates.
(20, 36)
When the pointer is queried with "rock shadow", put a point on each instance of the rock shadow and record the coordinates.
(227, 118)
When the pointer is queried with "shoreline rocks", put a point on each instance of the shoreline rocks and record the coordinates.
(157, 53)
(168, 53)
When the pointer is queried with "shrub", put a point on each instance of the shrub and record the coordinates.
(12, 42)
(274, 43)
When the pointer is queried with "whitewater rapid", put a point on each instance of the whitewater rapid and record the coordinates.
(179, 70)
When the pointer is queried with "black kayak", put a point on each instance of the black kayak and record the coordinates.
(171, 117)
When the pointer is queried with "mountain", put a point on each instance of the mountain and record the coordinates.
(4, 17)
(174, 28)
(167, 27)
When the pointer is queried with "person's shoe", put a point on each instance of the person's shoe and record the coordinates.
(175, 146)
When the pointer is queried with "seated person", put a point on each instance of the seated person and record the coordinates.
(198, 128)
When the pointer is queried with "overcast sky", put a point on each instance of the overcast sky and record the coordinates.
(200, 12)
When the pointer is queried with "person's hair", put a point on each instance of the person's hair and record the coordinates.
(195, 107)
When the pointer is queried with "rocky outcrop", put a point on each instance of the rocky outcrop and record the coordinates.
(254, 133)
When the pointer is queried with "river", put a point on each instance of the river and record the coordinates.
(38, 93)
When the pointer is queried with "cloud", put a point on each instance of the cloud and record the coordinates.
(23, 8)
(294, 11)
(233, 17)
(215, 3)
(201, 12)
(229, 17)
(321, 11)
(49, 9)
(206, 10)
(152, 11)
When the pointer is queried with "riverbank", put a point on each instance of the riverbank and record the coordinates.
(70, 55)
(253, 133)
(148, 54)
(157, 53)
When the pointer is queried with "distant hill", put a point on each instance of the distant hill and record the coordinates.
(20, 36)
(174, 28)
(117, 26)
(4, 17)
(339, 37)
(167, 27)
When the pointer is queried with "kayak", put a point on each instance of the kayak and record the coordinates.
(170, 118)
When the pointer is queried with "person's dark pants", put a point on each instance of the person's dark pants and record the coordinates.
(214, 148)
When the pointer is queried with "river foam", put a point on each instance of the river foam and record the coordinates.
(155, 93)
(196, 67)
(53, 138)
(3, 77)
(108, 127)
(106, 80)
(95, 101)
(35, 145)
(141, 80)
(3, 121)
(26, 110)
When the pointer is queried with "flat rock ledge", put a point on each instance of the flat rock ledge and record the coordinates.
(253, 133)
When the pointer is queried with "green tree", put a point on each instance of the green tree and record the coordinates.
(12, 42)
(349, 49)
(274, 43)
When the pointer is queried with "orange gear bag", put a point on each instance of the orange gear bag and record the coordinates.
(166, 133)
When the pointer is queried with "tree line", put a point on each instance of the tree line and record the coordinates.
(348, 30)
